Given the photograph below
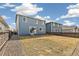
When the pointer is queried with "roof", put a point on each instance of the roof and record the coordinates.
(28, 17)
(53, 22)
(3, 22)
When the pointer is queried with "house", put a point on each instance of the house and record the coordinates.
(27, 25)
(3, 25)
(77, 29)
(52, 27)
(69, 29)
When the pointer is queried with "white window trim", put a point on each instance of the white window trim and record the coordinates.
(32, 27)
(25, 19)
(36, 21)
(41, 29)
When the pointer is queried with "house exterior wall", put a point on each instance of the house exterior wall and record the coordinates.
(56, 27)
(53, 27)
(23, 26)
(48, 27)
(68, 29)
(77, 30)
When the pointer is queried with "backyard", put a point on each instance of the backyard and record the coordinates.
(48, 45)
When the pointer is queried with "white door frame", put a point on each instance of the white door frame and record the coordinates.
(32, 27)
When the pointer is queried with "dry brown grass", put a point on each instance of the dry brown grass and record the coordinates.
(48, 45)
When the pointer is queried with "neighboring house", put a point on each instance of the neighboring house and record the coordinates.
(53, 27)
(69, 29)
(3, 25)
(77, 29)
(27, 25)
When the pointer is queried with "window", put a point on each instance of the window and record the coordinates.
(41, 22)
(58, 25)
(32, 30)
(25, 19)
(40, 29)
(53, 24)
(36, 21)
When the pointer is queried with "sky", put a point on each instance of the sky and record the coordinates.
(64, 13)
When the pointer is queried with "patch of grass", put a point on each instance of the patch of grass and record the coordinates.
(48, 45)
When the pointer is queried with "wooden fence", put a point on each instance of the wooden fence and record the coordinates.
(3, 38)
(75, 35)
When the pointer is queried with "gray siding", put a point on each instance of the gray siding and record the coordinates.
(56, 27)
(53, 27)
(48, 27)
(24, 26)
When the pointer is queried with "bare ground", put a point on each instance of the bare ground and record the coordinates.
(41, 45)
(49, 45)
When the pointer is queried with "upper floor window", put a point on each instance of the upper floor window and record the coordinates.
(41, 22)
(53, 24)
(36, 21)
(58, 25)
(24, 19)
